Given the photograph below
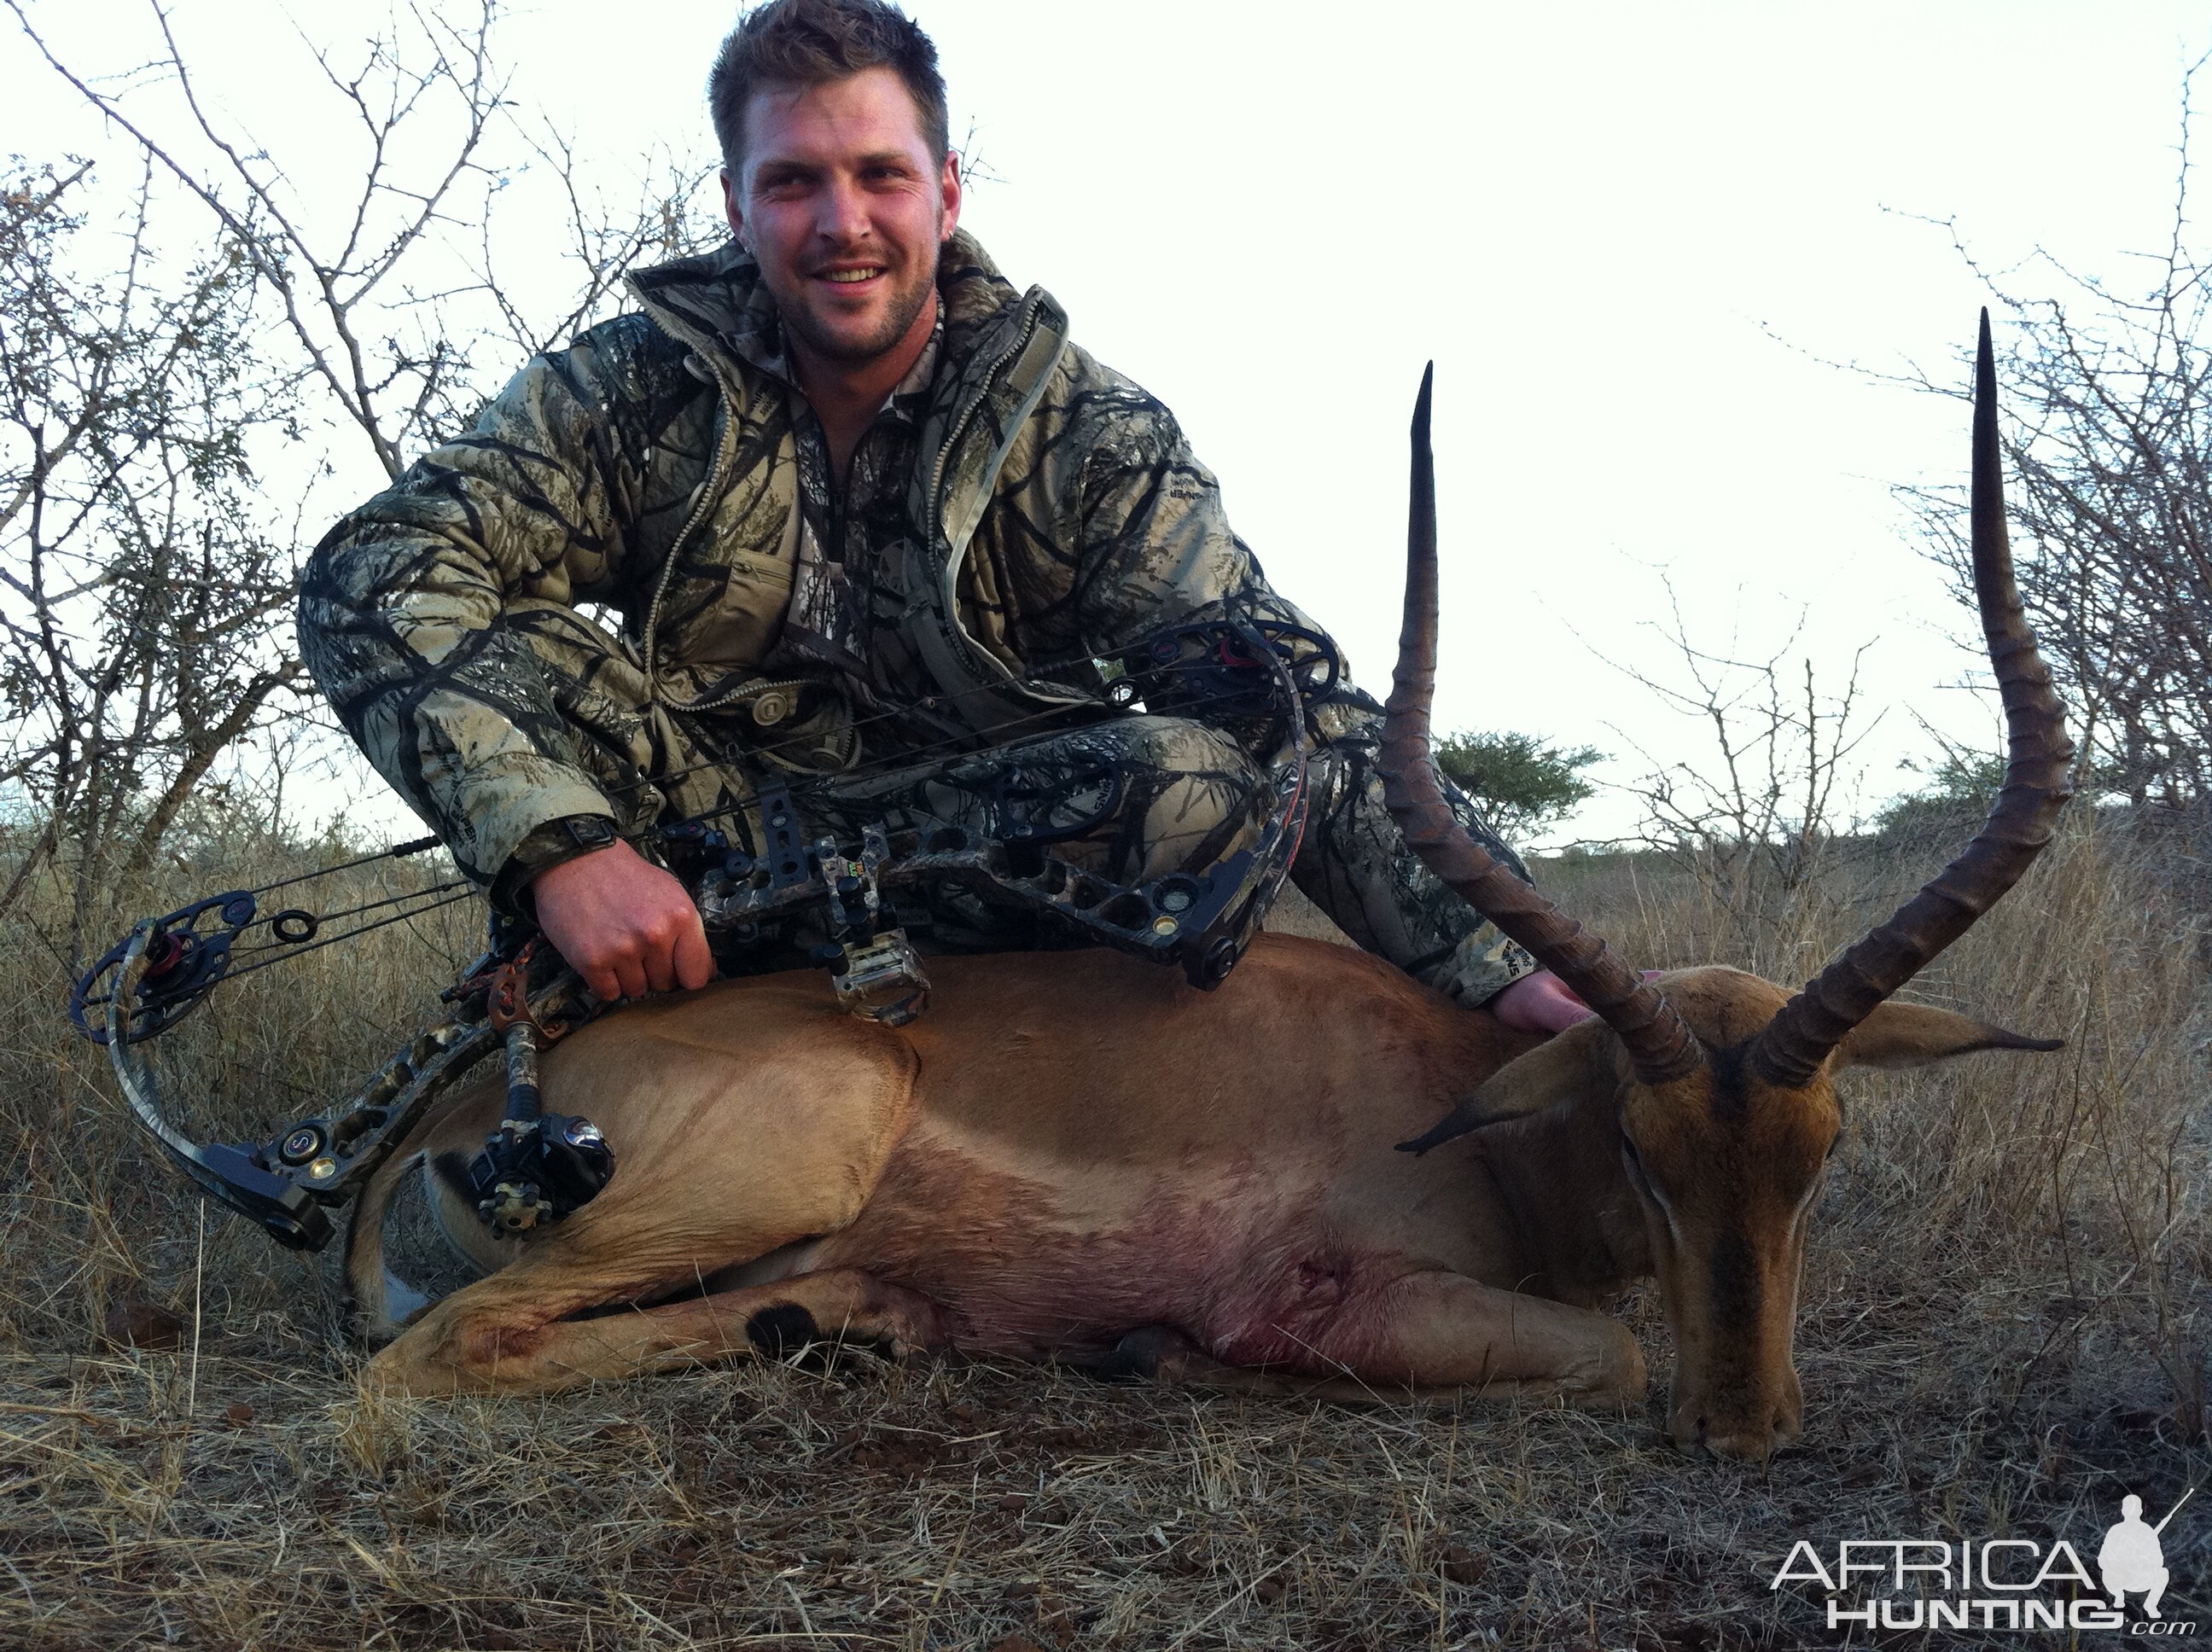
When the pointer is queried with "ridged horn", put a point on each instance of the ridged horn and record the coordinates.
(1791, 1049)
(1659, 1044)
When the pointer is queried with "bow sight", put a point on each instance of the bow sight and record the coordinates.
(519, 998)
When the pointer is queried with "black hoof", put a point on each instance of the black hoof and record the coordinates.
(783, 1329)
(1142, 1356)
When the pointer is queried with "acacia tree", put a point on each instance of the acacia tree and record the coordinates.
(381, 257)
(391, 371)
(1522, 785)
(1766, 803)
(1759, 824)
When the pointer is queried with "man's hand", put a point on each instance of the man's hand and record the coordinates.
(1539, 1003)
(623, 925)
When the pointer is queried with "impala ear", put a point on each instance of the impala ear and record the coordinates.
(1914, 1035)
(1586, 1055)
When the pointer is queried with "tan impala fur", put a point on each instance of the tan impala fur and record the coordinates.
(1074, 1156)
(1181, 1183)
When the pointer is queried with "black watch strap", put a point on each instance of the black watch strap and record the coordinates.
(586, 831)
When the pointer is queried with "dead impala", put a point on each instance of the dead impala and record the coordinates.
(1205, 1187)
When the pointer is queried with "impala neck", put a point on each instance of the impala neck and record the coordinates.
(1580, 1224)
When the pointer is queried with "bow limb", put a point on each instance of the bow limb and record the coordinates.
(222, 1171)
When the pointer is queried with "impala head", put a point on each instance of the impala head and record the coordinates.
(1721, 1082)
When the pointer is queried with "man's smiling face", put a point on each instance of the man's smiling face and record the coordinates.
(845, 205)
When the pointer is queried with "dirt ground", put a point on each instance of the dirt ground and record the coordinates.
(243, 1498)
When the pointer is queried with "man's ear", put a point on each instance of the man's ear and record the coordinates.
(1914, 1035)
(949, 186)
(1585, 1056)
(732, 212)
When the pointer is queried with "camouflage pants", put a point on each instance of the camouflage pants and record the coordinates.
(1132, 797)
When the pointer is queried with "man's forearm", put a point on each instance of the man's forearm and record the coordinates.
(427, 616)
(554, 844)
(472, 740)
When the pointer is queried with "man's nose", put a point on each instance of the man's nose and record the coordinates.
(843, 215)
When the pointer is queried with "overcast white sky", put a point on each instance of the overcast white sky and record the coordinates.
(1626, 232)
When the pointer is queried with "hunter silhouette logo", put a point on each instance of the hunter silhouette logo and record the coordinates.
(2132, 1558)
(1998, 1583)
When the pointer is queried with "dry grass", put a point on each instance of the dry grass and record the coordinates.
(2004, 1316)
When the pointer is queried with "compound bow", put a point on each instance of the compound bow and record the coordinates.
(520, 997)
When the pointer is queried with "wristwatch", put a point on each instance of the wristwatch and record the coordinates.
(547, 847)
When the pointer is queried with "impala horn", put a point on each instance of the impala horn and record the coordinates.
(1797, 1041)
(1660, 1046)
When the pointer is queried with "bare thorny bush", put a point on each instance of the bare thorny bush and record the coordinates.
(1753, 827)
(2106, 423)
(141, 586)
(2108, 444)
(169, 426)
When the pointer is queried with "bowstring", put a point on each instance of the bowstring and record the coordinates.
(919, 757)
(448, 893)
(915, 757)
(451, 883)
(930, 704)
(396, 852)
(461, 889)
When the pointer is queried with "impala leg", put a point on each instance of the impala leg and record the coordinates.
(1163, 1354)
(464, 1346)
(718, 1169)
(1434, 1335)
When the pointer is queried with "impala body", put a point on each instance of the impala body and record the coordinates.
(1074, 1156)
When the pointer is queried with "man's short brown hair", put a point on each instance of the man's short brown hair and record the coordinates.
(799, 43)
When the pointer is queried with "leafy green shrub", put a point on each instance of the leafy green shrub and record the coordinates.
(1521, 783)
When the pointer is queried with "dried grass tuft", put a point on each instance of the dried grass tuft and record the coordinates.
(2004, 1332)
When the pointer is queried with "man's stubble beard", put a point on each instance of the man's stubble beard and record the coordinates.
(905, 304)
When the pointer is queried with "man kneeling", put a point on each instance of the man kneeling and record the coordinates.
(869, 521)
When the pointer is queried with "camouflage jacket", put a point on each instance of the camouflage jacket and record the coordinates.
(1055, 513)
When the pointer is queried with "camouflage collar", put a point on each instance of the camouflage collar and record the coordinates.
(906, 397)
(717, 304)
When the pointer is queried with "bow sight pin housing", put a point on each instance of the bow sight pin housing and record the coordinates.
(534, 1171)
(537, 1166)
